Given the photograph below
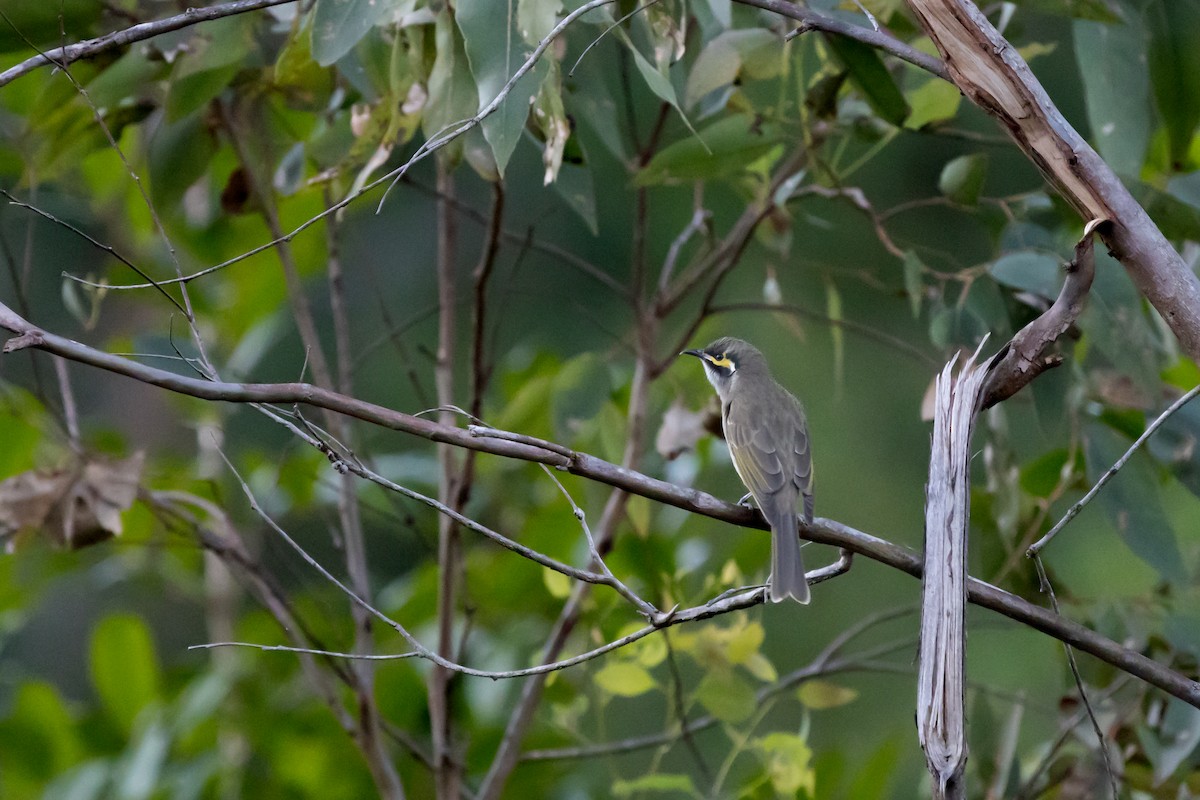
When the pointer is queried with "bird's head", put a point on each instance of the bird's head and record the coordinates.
(724, 359)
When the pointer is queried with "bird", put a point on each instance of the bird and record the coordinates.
(767, 433)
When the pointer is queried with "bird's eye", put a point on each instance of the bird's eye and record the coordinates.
(724, 357)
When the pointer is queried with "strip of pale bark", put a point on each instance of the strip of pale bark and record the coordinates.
(941, 672)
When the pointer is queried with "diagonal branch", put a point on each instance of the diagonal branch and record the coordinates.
(823, 531)
(1024, 357)
(61, 56)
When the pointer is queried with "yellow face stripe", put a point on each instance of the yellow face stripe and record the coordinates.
(723, 361)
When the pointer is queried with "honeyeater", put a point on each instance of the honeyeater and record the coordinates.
(767, 434)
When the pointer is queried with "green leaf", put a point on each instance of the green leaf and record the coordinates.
(1097, 10)
(1029, 271)
(788, 759)
(1180, 733)
(726, 696)
(213, 57)
(452, 93)
(338, 25)
(557, 584)
(574, 185)
(744, 642)
(298, 74)
(819, 695)
(137, 776)
(496, 51)
(934, 101)
(724, 148)
(199, 702)
(755, 52)
(1133, 500)
(716, 67)
(962, 178)
(659, 782)
(1117, 331)
(656, 81)
(552, 121)
(124, 667)
(914, 284)
(124, 79)
(536, 18)
(625, 679)
(39, 731)
(873, 775)
(1116, 83)
(1175, 71)
(1177, 445)
(180, 154)
(591, 104)
(1177, 218)
(872, 78)
(837, 336)
(1041, 476)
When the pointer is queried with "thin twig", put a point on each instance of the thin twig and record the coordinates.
(1111, 472)
(447, 777)
(680, 708)
(1083, 696)
(112, 251)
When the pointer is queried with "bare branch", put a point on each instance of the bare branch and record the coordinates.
(823, 531)
(1024, 360)
(61, 56)
(812, 21)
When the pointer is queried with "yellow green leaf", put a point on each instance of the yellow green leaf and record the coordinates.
(557, 584)
(819, 695)
(625, 679)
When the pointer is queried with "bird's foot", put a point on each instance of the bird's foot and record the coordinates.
(745, 501)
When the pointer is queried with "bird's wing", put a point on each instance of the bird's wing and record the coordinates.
(801, 455)
(772, 456)
(756, 457)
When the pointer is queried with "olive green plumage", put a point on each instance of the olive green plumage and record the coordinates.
(767, 434)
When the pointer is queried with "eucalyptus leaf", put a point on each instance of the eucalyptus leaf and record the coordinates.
(124, 667)
(496, 50)
(1029, 271)
(726, 147)
(1175, 70)
(726, 696)
(338, 25)
(1116, 83)
(452, 93)
(871, 77)
(962, 178)
(1133, 501)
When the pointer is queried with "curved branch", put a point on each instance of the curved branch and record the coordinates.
(1023, 359)
(61, 56)
(823, 531)
(812, 21)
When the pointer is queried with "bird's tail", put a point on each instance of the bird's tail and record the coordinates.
(787, 566)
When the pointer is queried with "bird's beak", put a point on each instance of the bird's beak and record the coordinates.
(696, 353)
